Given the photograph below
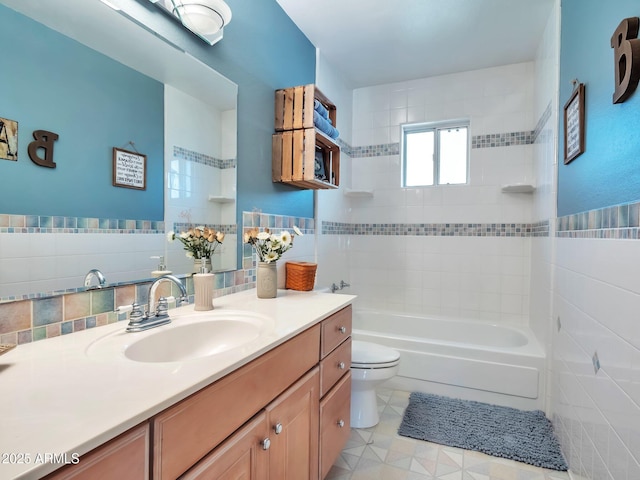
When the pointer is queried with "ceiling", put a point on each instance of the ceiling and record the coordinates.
(372, 42)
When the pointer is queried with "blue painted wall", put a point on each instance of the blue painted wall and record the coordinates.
(608, 172)
(262, 51)
(80, 95)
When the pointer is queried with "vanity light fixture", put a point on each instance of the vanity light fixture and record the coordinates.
(205, 18)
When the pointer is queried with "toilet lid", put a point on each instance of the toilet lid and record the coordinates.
(368, 353)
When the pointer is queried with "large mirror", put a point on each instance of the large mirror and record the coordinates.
(191, 160)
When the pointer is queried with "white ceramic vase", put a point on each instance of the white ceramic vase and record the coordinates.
(198, 262)
(267, 280)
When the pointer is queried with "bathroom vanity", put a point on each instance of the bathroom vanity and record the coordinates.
(276, 407)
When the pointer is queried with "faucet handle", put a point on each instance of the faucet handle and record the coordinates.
(163, 307)
(136, 314)
(184, 299)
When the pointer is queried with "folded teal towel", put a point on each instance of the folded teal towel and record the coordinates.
(324, 125)
(321, 109)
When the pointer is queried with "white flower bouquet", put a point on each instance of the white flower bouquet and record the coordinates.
(270, 246)
(199, 242)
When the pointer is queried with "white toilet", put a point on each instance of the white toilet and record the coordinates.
(371, 364)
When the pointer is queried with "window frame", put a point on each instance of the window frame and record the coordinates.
(420, 127)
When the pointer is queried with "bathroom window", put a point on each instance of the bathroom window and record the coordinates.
(435, 153)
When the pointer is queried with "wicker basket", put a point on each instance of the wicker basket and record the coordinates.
(300, 275)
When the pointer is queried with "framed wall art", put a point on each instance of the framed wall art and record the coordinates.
(129, 169)
(574, 124)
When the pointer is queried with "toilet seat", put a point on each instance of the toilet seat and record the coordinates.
(367, 355)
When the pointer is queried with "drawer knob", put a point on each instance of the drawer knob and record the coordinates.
(266, 443)
(341, 365)
(342, 329)
(341, 423)
(278, 428)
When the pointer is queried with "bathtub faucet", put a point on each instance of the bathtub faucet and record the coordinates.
(335, 288)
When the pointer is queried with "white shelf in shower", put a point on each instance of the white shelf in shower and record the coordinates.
(221, 199)
(518, 188)
(348, 192)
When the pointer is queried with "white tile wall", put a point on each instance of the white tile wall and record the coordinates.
(61, 260)
(438, 275)
(185, 118)
(598, 414)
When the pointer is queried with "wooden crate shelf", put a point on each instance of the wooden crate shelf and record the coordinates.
(296, 141)
(294, 107)
(294, 159)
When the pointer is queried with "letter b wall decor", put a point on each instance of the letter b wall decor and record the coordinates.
(43, 140)
(626, 48)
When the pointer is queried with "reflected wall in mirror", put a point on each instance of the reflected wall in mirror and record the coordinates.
(200, 170)
(82, 86)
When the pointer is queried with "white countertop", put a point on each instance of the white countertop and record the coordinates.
(56, 399)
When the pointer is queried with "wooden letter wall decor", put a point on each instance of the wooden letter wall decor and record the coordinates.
(626, 48)
(43, 140)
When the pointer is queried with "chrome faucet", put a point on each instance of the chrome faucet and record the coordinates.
(155, 315)
(335, 288)
(94, 272)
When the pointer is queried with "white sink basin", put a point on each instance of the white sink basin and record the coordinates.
(187, 337)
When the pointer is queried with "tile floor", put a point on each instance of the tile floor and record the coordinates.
(379, 453)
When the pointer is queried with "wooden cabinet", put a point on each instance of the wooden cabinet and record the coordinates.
(241, 456)
(335, 387)
(126, 456)
(335, 425)
(293, 421)
(186, 432)
(284, 415)
(302, 154)
(280, 442)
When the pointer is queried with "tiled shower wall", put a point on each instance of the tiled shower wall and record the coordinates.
(458, 250)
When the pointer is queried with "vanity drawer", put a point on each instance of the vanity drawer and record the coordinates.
(186, 432)
(335, 330)
(335, 414)
(334, 366)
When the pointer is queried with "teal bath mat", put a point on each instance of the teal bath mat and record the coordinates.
(524, 436)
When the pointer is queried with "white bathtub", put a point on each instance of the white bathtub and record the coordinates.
(468, 359)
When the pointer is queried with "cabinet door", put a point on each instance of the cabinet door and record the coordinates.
(244, 455)
(293, 424)
(335, 413)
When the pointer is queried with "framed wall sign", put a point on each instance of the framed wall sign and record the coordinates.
(574, 124)
(129, 169)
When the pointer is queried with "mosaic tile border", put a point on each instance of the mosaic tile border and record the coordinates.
(202, 158)
(507, 139)
(538, 229)
(493, 140)
(542, 121)
(614, 222)
(227, 228)
(37, 317)
(277, 222)
(477, 141)
(10, 223)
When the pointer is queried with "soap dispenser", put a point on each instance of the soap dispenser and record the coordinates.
(203, 289)
(162, 268)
